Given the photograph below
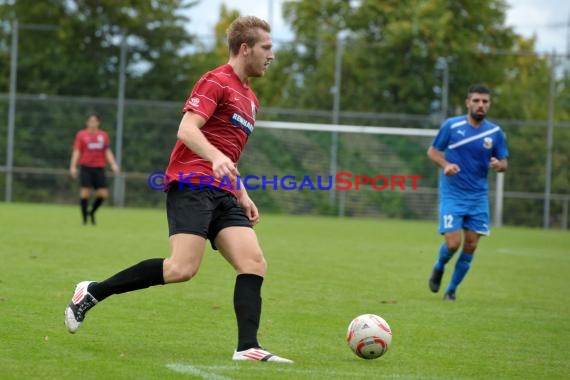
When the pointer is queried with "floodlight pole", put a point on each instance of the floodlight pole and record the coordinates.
(11, 113)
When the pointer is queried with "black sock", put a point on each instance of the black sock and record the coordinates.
(83, 203)
(247, 306)
(98, 201)
(140, 276)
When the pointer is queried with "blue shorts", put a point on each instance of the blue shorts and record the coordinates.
(478, 222)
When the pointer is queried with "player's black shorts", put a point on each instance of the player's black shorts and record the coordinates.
(203, 212)
(92, 177)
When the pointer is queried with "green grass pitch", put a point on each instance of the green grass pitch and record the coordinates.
(511, 319)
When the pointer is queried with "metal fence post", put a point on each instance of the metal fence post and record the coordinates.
(336, 113)
(11, 113)
(549, 143)
(499, 196)
(118, 186)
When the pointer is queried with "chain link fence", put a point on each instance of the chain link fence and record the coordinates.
(37, 131)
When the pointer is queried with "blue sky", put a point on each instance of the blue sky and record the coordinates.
(547, 19)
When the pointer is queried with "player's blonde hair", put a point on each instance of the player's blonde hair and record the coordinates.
(244, 29)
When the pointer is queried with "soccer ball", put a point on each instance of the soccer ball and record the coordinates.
(369, 336)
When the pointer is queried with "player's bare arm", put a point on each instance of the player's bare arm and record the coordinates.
(73, 163)
(438, 158)
(248, 205)
(110, 157)
(190, 134)
(499, 165)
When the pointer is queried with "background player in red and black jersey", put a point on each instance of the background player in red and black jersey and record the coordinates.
(217, 120)
(91, 151)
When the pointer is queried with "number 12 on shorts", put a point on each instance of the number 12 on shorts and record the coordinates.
(447, 221)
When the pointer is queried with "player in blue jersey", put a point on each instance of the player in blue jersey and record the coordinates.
(465, 148)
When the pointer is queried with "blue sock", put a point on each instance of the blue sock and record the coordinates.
(444, 257)
(461, 268)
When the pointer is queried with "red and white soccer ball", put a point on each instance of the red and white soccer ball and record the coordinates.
(369, 336)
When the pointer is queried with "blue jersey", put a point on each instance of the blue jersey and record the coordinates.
(471, 148)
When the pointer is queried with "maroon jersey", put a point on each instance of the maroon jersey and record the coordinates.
(92, 147)
(229, 107)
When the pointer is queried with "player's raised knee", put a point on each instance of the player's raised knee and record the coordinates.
(175, 272)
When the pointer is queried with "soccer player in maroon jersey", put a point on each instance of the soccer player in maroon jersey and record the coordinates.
(217, 120)
(91, 151)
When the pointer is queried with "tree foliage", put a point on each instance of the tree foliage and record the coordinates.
(392, 48)
(73, 47)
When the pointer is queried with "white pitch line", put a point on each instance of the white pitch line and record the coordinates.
(203, 372)
(186, 368)
(206, 370)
